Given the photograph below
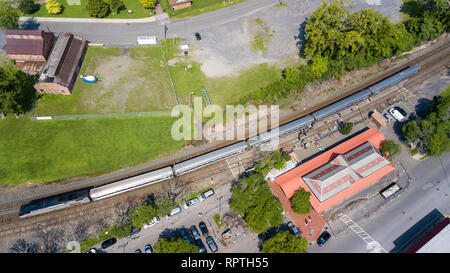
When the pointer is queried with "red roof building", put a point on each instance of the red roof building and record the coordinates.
(180, 4)
(339, 172)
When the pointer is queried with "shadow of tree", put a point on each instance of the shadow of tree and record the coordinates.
(30, 24)
(301, 38)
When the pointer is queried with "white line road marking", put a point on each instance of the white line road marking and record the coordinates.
(371, 243)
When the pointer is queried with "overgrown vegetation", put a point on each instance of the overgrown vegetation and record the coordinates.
(430, 136)
(285, 242)
(218, 221)
(9, 17)
(262, 36)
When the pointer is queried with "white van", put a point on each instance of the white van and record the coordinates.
(205, 195)
(173, 212)
(396, 114)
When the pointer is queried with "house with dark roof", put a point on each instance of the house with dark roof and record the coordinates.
(29, 48)
(61, 70)
(180, 4)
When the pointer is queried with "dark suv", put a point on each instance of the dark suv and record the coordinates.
(184, 234)
(195, 233)
(109, 243)
(324, 237)
(203, 228)
(197, 36)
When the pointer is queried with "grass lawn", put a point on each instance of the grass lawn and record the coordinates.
(223, 90)
(79, 11)
(44, 151)
(130, 80)
(197, 8)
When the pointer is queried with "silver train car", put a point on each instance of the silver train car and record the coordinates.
(208, 158)
(340, 105)
(283, 130)
(131, 183)
(394, 79)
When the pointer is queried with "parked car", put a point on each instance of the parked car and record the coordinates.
(138, 251)
(184, 234)
(109, 243)
(226, 234)
(190, 203)
(134, 231)
(268, 234)
(403, 112)
(173, 212)
(324, 237)
(212, 245)
(195, 233)
(201, 246)
(152, 223)
(197, 36)
(294, 229)
(205, 195)
(396, 114)
(148, 249)
(203, 228)
(92, 250)
(387, 116)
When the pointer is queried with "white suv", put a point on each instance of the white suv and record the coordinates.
(190, 203)
(152, 223)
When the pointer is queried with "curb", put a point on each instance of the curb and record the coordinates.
(92, 20)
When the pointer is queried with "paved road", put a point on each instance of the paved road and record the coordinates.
(128, 33)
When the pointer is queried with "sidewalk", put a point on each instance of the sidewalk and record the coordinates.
(151, 19)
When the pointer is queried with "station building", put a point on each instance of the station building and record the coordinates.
(338, 173)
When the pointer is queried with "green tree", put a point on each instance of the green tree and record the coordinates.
(174, 245)
(300, 202)
(116, 6)
(346, 128)
(142, 215)
(390, 147)
(274, 160)
(148, 4)
(164, 205)
(411, 131)
(284, 242)
(97, 8)
(252, 198)
(28, 6)
(16, 90)
(120, 230)
(9, 17)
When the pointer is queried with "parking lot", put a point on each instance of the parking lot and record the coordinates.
(241, 239)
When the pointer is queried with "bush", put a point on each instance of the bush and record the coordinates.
(97, 8)
(53, 7)
(116, 6)
(284, 242)
(148, 4)
(390, 147)
(28, 6)
(346, 128)
(174, 245)
(300, 202)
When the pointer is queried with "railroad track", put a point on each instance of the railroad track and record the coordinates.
(11, 225)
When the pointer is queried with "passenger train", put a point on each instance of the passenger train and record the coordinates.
(92, 194)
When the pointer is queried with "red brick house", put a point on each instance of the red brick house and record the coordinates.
(180, 4)
(29, 48)
(61, 70)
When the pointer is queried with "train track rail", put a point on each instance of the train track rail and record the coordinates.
(11, 225)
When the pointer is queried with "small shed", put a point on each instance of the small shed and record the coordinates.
(378, 119)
